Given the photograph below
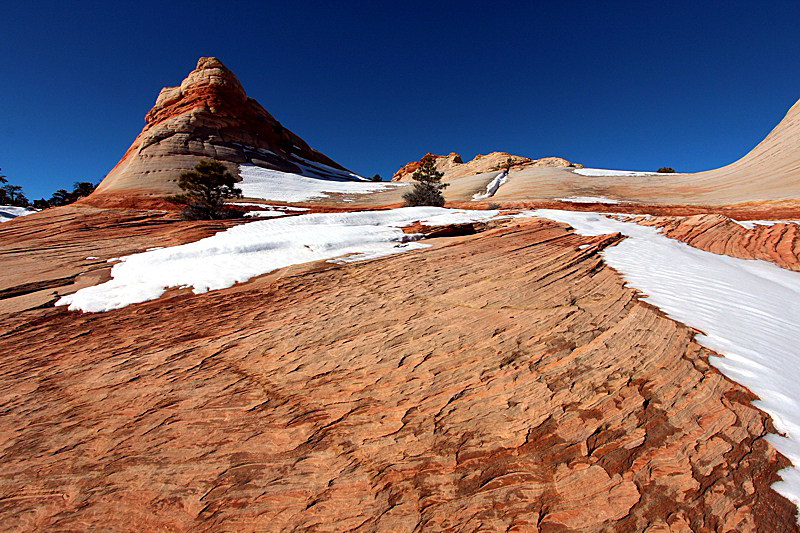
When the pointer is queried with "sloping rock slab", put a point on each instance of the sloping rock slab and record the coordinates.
(504, 381)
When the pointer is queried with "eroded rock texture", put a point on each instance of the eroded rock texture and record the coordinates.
(208, 116)
(504, 381)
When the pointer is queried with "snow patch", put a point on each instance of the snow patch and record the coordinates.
(277, 186)
(271, 207)
(265, 214)
(7, 212)
(312, 168)
(749, 311)
(751, 224)
(605, 172)
(588, 200)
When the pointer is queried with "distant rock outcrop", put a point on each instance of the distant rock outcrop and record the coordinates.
(208, 116)
(454, 168)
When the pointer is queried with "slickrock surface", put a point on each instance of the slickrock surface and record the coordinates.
(207, 116)
(770, 170)
(504, 381)
(768, 174)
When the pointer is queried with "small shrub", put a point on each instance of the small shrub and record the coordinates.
(424, 194)
(666, 170)
(376, 177)
(428, 187)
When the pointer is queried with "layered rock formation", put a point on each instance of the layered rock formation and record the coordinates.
(454, 168)
(208, 116)
(423, 392)
(777, 243)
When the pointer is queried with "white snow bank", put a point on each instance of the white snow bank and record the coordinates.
(589, 200)
(277, 186)
(750, 224)
(249, 250)
(491, 188)
(312, 168)
(271, 207)
(749, 311)
(606, 172)
(308, 167)
(7, 212)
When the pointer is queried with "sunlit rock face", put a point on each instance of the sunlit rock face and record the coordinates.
(208, 116)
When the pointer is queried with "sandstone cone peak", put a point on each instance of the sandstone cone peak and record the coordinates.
(209, 115)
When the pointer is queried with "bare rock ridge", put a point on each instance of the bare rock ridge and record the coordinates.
(208, 116)
(454, 168)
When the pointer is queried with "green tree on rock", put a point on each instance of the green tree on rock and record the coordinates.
(206, 189)
(428, 187)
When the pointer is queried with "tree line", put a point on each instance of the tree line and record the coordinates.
(13, 195)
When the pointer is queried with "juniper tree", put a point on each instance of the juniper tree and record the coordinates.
(60, 197)
(206, 189)
(428, 187)
(12, 195)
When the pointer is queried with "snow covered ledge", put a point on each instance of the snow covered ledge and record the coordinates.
(749, 311)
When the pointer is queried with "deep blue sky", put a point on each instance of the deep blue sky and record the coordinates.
(634, 85)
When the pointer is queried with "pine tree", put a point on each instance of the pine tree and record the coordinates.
(206, 189)
(428, 187)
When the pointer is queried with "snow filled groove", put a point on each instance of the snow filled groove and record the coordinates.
(491, 188)
(748, 311)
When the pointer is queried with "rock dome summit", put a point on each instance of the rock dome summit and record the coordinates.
(208, 116)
